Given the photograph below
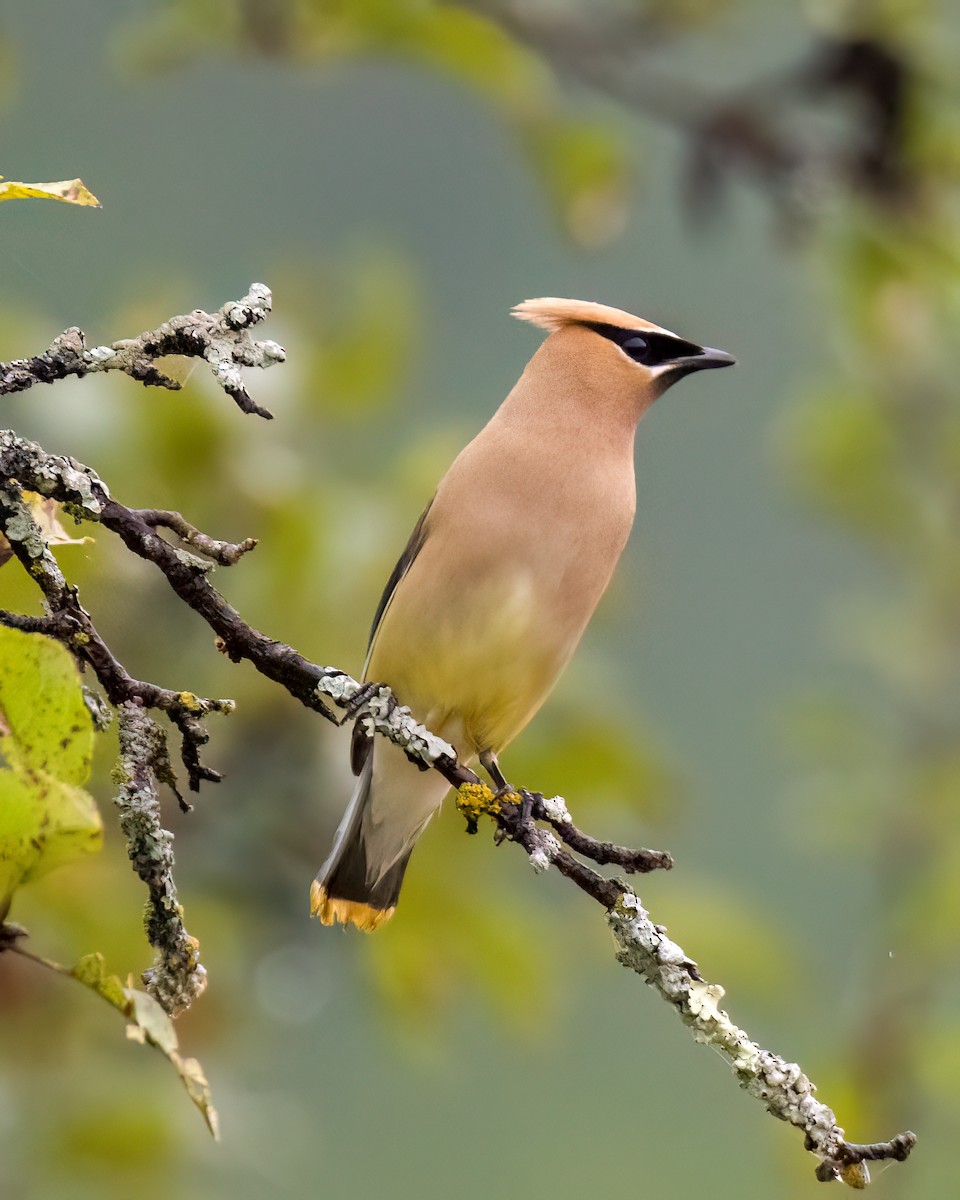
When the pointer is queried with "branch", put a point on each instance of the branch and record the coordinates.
(71, 624)
(176, 977)
(780, 1086)
(221, 339)
(644, 947)
(520, 817)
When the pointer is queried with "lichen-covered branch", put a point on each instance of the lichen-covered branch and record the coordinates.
(781, 1086)
(645, 948)
(68, 622)
(221, 339)
(176, 978)
(541, 826)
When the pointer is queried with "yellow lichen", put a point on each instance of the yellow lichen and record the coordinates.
(190, 701)
(855, 1175)
(476, 800)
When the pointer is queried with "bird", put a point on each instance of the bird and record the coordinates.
(500, 577)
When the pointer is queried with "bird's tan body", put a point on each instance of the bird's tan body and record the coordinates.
(514, 553)
(494, 604)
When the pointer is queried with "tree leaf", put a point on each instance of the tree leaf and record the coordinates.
(47, 726)
(46, 743)
(46, 513)
(149, 1025)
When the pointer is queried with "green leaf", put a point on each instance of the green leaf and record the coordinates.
(46, 743)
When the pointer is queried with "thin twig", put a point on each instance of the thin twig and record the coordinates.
(227, 554)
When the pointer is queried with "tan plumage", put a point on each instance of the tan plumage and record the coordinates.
(501, 576)
(552, 313)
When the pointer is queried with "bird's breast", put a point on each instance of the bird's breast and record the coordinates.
(511, 569)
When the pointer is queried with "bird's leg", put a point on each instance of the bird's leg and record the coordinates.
(528, 801)
(489, 762)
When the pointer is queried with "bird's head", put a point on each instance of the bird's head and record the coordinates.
(618, 347)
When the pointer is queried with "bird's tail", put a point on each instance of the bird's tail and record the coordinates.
(391, 805)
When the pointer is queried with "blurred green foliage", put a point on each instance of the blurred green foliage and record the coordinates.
(829, 910)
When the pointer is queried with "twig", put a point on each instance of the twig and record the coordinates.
(146, 1021)
(227, 554)
(221, 339)
(781, 1086)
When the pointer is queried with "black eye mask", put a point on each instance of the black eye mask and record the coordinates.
(648, 349)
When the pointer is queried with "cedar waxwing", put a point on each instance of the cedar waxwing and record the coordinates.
(500, 577)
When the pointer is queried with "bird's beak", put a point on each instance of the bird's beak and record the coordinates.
(699, 358)
(708, 357)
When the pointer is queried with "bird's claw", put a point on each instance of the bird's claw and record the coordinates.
(527, 803)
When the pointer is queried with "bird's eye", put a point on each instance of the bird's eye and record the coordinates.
(637, 348)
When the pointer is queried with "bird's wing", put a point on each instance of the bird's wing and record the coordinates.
(360, 742)
(404, 563)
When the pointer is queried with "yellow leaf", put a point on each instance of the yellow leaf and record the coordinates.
(46, 514)
(151, 1022)
(150, 1026)
(91, 971)
(70, 191)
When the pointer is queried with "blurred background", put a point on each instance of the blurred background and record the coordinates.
(770, 689)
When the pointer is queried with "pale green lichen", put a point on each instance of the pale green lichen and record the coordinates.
(176, 977)
(784, 1089)
(555, 809)
(381, 714)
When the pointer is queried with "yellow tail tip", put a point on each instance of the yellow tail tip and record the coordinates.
(348, 912)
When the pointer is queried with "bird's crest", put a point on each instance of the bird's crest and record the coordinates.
(552, 313)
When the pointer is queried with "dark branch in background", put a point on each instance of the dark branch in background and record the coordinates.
(753, 132)
(541, 826)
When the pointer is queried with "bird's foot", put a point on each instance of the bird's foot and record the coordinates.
(528, 802)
